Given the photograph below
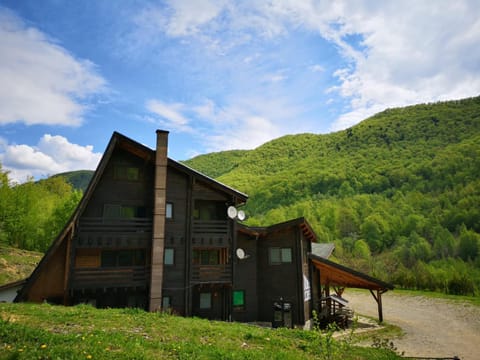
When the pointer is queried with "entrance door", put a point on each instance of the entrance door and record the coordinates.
(209, 303)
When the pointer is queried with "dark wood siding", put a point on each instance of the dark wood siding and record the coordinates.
(97, 232)
(246, 278)
(175, 281)
(279, 280)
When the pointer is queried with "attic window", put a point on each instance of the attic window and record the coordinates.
(114, 211)
(209, 210)
(126, 172)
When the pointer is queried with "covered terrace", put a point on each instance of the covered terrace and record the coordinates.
(332, 275)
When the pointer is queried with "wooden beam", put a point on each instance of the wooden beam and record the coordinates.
(378, 299)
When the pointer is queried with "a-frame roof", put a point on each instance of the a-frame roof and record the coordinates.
(334, 274)
(120, 141)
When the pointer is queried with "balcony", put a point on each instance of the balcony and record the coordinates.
(212, 273)
(90, 278)
(212, 232)
(102, 232)
(100, 224)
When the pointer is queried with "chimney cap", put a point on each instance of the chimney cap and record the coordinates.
(159, 131)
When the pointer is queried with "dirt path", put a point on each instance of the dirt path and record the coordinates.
(433, 327)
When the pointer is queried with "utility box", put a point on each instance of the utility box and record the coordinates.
(282, 314)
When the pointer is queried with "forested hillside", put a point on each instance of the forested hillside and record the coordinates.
(32, 214)
(399, 193)
(78, 179)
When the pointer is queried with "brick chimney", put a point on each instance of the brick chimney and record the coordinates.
(158, 236)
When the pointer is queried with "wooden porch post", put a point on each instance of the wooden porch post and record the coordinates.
(378, 299)
(380, 308)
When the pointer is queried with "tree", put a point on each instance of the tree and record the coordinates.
(468, 246)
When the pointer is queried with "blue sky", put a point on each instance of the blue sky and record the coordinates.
(219, 74)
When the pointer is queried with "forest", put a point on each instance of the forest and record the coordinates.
(32, 214)
(398, 194)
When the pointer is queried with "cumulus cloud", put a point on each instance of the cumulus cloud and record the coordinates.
(42, 83)
(53, 154)
(241, 123)
(393, 53)
(398, 53)
(169, 114)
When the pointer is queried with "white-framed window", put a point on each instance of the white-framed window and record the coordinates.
(279, 255)
(169, 256)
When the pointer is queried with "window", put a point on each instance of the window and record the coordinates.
(238, 299)
(210, 256)
(205, 300)
(166, 302)
(169, 256)
(169, 210)
(280, 255)
(210, 210)
(286, 255)
(109, 258)
(114, 211)
(126, 172)
(116, 258)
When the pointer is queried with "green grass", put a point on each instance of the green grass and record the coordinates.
(42, 331)
(16, 264)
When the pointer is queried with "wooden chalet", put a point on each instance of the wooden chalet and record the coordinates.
(273, 279)
(153, 233)
(149, 232)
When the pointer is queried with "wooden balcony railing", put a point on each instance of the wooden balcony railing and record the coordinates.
(88, 278)
(211, 273)
(100, 224)
(217, 227)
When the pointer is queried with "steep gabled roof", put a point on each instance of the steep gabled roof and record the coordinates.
(119, 141)
(214, 183)
(301, 222)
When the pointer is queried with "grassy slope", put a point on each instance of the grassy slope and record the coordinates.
(82, 332)
(16, 264)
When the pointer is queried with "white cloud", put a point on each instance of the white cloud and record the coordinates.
(317, 68)
(397, 53)
(188, 16)
(242, 123)
(41, 82)
(52, 155)
(170, 114)
(248, 133)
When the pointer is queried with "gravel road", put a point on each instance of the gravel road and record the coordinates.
(433, 327)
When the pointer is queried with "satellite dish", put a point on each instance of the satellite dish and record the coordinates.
(232, 212)
(241, 215)
(240, 253)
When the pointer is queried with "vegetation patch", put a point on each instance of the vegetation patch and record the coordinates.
(32, 331)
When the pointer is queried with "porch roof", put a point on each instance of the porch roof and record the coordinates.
(334, 274)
